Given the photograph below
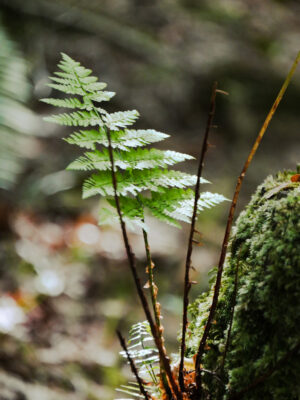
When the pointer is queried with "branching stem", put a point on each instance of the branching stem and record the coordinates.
(132, 264)
(230, 221)
(187, 283)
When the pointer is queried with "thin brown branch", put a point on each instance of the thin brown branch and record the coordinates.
(134, 368)
(262, 378)
(187, 283)
(132, 264)
(230, 220)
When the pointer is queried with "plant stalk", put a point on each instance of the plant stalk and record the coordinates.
(187, 283)
(141, 294)
(132, 264)
(155, 305)
(230, 221)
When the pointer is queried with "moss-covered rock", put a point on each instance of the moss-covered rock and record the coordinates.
(265, 246)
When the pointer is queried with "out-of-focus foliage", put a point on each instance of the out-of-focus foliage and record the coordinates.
(265, 248)
(17, 122)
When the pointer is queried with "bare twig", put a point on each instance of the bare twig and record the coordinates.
(187, 283)
(230, 220)
(133, 368)
(132, 264)
(262, 378)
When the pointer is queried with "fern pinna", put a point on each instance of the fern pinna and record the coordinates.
(131, 178)
(142, 350)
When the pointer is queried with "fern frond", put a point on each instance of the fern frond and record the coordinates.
(183, 210)
(142, 350)
(139, 159)
(110, 217)
(122, 140)
(69, 89)
(137, 170)
(113, 121)
(134, 182)
(120, 119)
(76, 81)
(131, 390)
(72, 102)
(177, 204)
(77, 118)
(101, 96)
(131, 207)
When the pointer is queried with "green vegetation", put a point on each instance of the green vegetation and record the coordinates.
(16, 142)
(65, 288)
(265, 250)
(137, 170)
(232, 352)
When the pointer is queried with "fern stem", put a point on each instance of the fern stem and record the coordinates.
(187, 283)
(132, 264)
(155, 305)
(230, 220)
(131, 258)
(133, 368)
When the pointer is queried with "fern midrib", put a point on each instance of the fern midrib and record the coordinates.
(154, 302)
(150, 270)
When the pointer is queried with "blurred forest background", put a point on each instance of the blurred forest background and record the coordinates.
(64, 283)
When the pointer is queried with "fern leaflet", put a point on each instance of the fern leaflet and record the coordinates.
(142, 350)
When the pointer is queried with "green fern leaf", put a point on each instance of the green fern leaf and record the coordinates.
(120, 119)
(134, 182)
(69, 89)
(72, 102)
(121, 140)
(110, 217)
(142, 350)
(139, 159)
(137, 170)
(178, 204)
(77, 118)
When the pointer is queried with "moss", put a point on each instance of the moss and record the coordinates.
(265, 245)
